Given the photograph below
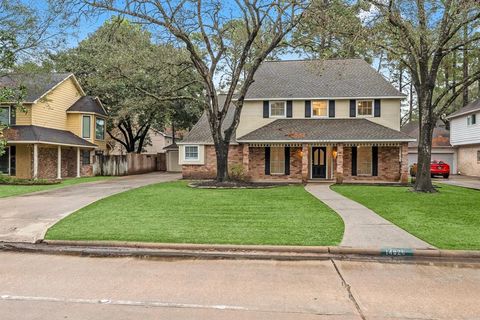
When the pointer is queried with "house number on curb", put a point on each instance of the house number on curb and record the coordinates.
(397, 252)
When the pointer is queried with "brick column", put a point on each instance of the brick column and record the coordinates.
(404, 163)
(305, 155)
(245, 158)
(339, 173)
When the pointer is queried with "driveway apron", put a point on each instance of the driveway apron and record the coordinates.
(461, 181)
(363, 227)
(27, 218)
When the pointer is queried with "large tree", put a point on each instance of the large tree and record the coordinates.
(204, 29)
(422, 35)
(136, 79)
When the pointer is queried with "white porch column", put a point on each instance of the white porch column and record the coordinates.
(35, 161)
(78, 162)
(59, 163)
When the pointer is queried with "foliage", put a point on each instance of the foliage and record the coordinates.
(448, 219)
(139, 82)
(175, 213)
(237, 172)
(25, 182)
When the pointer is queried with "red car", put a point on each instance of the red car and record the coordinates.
(439, 168)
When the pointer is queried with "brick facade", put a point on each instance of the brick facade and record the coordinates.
(392, 164)
(48, 159)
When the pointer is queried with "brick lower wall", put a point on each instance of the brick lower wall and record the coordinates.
(209, 169)
(47, 163)
(388, 165)
(257, 165)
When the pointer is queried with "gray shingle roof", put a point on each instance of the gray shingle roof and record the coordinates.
(341, 78)
(201, 133)
(324, 130)
(88, 104)
(469, 108)
(45, 135)
(36, 84)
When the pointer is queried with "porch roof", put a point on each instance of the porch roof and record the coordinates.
(36, 134)
(324, 130)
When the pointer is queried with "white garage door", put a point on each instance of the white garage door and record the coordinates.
(445, 157)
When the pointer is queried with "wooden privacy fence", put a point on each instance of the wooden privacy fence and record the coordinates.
(132, 163)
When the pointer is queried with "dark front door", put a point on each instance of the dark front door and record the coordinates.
(319, 162)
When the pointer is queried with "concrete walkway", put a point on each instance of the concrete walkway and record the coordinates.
(461, 181)
(26, 218)
(363, 227)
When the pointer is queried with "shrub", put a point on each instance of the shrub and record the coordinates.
(237, 172)
(15, 181)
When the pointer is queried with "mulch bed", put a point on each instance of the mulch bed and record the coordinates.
(212, 184)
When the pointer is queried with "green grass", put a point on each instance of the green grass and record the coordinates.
(449, 219)
(16, 190)
(175, 213)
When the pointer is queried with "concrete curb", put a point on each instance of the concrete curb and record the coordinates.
(253, 252)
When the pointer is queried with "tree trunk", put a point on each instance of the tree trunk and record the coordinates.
(423, 181)
(221, 150)
(410, 115)
(465, 66)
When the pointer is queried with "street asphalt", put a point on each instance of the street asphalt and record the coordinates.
(34, 286)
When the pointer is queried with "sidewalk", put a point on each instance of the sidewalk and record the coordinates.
(363, 227)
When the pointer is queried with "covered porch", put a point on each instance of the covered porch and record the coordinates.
(335, 162)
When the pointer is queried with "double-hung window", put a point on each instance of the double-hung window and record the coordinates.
(364, 161)
(365, 108)
(100, 129)
(86, 127)
(277, 160)
(278, 109)
(191, 153)
(5, 116)
(472, 119)
(320, 108)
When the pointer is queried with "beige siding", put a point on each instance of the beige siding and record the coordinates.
(74, 123)
(24, 117)
(51, 111)
(251, 118)
(24, 161)
(390, 114)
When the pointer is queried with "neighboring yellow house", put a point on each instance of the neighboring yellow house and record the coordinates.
(56, 133)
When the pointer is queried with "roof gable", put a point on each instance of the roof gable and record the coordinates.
(88, 104)
(469, 108)
(309, 79)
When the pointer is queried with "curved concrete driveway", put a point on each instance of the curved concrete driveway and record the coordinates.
(26, 218)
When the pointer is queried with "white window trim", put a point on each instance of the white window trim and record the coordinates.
(7, 149)
(365, 116)
(270, 109)
(328, 111)
(185, 153)
(469, 117)
(104, 127)
(9, 117)
(83, 128)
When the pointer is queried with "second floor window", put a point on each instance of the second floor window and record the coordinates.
(100, 129)
(319, 109)
(472, 119)
(365, 108)
(5, 116)
(86, 127)
(278, 109)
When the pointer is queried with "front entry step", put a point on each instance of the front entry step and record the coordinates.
(321, 181)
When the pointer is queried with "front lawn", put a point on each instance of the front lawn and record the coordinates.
(16, 190)
(175, 213)
(449, 219)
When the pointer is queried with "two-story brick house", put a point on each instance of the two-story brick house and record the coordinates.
(307, 120)
(56, 132)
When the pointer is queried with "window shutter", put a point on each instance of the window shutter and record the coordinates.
(377, 108)
(308, 108)
(374, 161)
(331, 108)
(266, 110)
(289, 109)
(13, 160)
(267, 161)
(353, 108)
(287, 160)
(13, 115)
(354, 161)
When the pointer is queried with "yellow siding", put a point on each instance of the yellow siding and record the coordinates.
(51, 111)
(24, 117)
(102, 144)
(74, 123)
(24, 161)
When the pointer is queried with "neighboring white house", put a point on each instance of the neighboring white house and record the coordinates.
(441, 148)
(465, 137)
